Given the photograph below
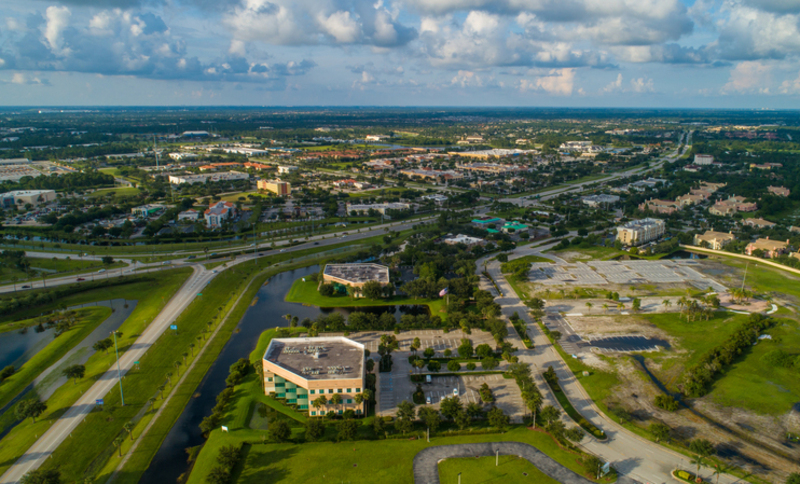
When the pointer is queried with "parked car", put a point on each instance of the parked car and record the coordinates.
(427, 378)
(101, 271)
(26, 286)
(455, 392)
(80, 279)
(190, 257)
(428, 400)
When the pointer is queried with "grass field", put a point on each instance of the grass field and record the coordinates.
(307, 293)
(763, 279)
(696, 338)
(87, 320)
(69, 458)
(512, 470)
(752, 383)
(53, 268)
(118, 192)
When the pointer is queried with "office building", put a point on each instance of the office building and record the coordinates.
(638, 232)
(275, 186)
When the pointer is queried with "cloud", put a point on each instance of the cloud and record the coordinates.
(118, 42)
(747, 33)
(642, 84)
(666, 54)
(20, 78)
(615, 85)
(791, 86)
(559, 82)
(314, 22)
(749, 76)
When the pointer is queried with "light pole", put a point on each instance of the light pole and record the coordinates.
(497, 457)
(119, 372)
(459, 478)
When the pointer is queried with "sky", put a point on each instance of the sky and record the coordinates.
(571, 53)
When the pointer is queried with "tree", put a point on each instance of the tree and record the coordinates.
(465, 349)
(218, 475)
(378, 426)
(336, 400)
(103, 344)
(229, 455)
(431, 417)
(129, 428)
(315, 428)
(370, 365)
(484, 351)
(75, 372)
(327, 290)
(489, 363)
(702, 449)
(320, 402)
(659, 431)
(347, 429)
(450, 406)
(279, 431)
(30, 408)
(636, 304)
(462, 419)
(405, 409)
(434, 366)
(498, 419)
(107, 260)
(594, 465)
(794, 478)
(550, 414)
(453, 366)
(486, 393)
(415, 345)
(429, 352)
(372, 290)
(41, 476)
(7, 372)
(118, 444)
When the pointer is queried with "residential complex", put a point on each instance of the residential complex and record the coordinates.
(192, 179)
(218, 213)
(770, 248)
(638, 232)
(713, 240)
(381, 208)
(301, 370)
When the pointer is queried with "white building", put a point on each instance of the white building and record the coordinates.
(182, 156)
(582, 146)
(377, 137)
(213, 177)
(286, 169)
(219, 213)
(703, 160)
(381, 208)
(190, 214)
(599, 200)
(638, 232)
(21, 197)
(436, 198)
(464, 239)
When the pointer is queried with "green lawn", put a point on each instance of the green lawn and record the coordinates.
(512, 470)
(118, 192)
(763, 279)
(93, 436)
(694, 340)
(307, 293)
(44, 266)
(87, 320)
(754, 384)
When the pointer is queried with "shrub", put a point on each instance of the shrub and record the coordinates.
(453, 366)
(666, 402)
(471, 366)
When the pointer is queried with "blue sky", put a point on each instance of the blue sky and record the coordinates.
(626, 53)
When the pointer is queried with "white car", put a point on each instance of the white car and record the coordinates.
(455, 392)
(428, 400)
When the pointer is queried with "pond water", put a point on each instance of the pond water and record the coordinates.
(268, 312)
(16, 347)
(685, 254)
(629, 343)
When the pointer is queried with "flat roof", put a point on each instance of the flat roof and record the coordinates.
(322, 358)
(358, 273)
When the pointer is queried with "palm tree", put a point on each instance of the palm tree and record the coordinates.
(720, 469)
(169, 377)
(605, 308)
(129, 428)
(700, 461)
(620, 306)
(336, 399)
(118, 444)
(589, 306)
(667, 303)
(191, 346)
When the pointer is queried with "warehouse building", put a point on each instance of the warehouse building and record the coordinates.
(21, 197)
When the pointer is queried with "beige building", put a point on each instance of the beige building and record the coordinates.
(759, 223)
(637, 232)
(275, 186)
(355, 275)
(666, 207)
(771, 248)
(714, 240)
(21, 197)
(301, 370)
(779, 191)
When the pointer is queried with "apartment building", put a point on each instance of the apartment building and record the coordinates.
(275, 186)
(638, 232)
(714, 240)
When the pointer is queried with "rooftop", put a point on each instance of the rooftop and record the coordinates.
(358, 273)
(323, 358)
(643, 223)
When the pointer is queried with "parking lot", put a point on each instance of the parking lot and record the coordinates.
(395, 386)
(622, 272)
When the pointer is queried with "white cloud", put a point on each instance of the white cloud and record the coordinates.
(642, 84)
(466, 79)
(57, 21)
(341, 26)
(749, 76)
(615, 85)
(747, 33)
(558, 82)
(791, 86)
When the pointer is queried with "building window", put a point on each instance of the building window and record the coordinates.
(330, 390)
(311, 391)
(313, 413)
(349, 400)
(269, 378)
(340, 390)
(349, 390)
(358, 390)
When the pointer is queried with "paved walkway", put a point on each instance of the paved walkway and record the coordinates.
(426, 463)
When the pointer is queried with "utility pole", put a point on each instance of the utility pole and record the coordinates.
(119, 371)
(745, 274)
